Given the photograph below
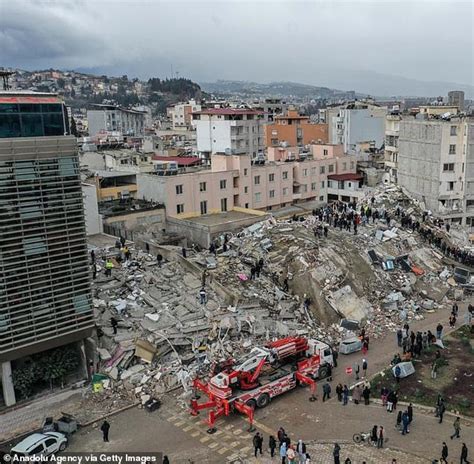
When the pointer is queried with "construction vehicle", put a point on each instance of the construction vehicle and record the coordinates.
(251, 382)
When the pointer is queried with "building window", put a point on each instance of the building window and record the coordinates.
(285, 175)
(344, 166)
(271, 177)
(285, 191)
(313, 185)
(325, 152)
(448, 167)
(256, 180)
(271, 194)
(452, 149)
(453, 130)
(274, 142)
(202, 186)
(352, 165)
(246, 189)
(450, 186)
(245, 171)
(179, 190)
(305, 172)
(322, 170)
(258, 197)
(223, 184)
(331, 168)
(203, 207)
(321, 198)
(180, 208)
(223, 204)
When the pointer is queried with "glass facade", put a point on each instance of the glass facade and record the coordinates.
(32, 120)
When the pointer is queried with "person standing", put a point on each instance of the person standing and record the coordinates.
(105, 427)
(410, 413)
(464, 452)
(326, 391)
(399, 337)
(301, 451)
(272, 445)
(405, 422)
(381, 438)
(357, 370)
(114, 324)
(366, 394)
(337, 454)
(202, 295)
(441, 410)
(184, 252)
(281, 434)
(339, 390)
(457, 428)
(444, 453)
(345, 395)
(257, 443)
(283, 452)
(356, 394)
(439, 331)
(364, 367)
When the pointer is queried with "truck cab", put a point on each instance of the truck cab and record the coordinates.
(317, 347)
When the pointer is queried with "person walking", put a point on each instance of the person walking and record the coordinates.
(441, 410)
(457, 428)
(257, 444)
(272, 445)
(374, 436)
(326, 391)
(364, 367)
(104, 428)
(381, 438)
(398, 426)
(410, 413)
(405, 422)
(345, 395)
(337, 454)
(464, 452)
(444, 453)
(390, 399)
(301, 452)
(366, 394)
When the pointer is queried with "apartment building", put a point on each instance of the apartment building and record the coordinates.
(392, 132)
(233, 131)
(271, 107)
(436, 165)
(356, 123)
(285, 177)
(114, 185)
(45, 300)
(294, 130)
(104, 118)
(181, 114)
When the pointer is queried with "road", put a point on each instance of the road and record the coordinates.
(184, 437)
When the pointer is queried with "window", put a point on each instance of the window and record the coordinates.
(453, 130)
(274, 142)
(285, 175)
(256, 180)
(202, 186)
(344, 166)
(223, 184)
(331, 168)
(223, 204)
(180, 208)
(246, 189)
(448, 167)
(450, 186)
(305, 172)
(258, 197)
(271, 177)
(49, 442)
(204, 207)
(313, 185)
(322, 170)
(38, 450)
(179, 190)
(321, 198)
(285, 191)
(325, 152)
(245, 171)
(452, 149)
(352, 165)
(271, 193)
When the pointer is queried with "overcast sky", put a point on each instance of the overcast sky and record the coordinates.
(331, 43)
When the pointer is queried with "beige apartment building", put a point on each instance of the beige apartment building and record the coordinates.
(285, 177)
(392, 133)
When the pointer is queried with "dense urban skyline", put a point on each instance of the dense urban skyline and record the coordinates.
(380, 48)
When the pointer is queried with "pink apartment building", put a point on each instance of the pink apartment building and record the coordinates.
(285, 177)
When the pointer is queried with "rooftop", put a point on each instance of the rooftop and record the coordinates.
(180, 160)
(27, 96)
(228, 111)
(105, 174)
(222, 218)
(348, 176)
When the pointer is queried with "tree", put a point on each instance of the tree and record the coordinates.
(74, 127)
(24, 378)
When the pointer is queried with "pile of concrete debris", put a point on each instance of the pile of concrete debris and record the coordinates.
(158, 335)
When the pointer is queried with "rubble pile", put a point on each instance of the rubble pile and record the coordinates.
(272, 279)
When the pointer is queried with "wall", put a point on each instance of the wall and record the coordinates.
(95, 121)
(138, 219)
(288, 133)
(91, 210)
(363, 125)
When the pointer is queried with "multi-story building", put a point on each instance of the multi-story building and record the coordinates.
(45, 298)
(456, 98)
(294, 130)
(356, 123)
(271, 108)
(392, 131)
(181, 114)
(436, 165)
(285, 177)
(105, 118)
(229, 130)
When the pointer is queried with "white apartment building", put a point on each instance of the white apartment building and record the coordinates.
(232, 131)
(181, 114)
(114, 118)
(392, 132)
(355, 124)
(436, 165)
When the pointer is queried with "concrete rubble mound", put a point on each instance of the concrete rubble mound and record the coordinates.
(272, 279)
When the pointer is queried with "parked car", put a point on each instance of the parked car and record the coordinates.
(40, 444)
